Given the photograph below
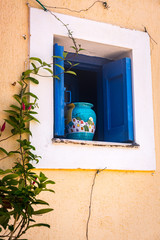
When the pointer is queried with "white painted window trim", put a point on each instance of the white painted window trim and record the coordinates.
(43, 28)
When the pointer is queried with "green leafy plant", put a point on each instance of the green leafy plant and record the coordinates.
(20, 186)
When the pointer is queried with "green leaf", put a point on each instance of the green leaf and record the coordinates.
(39, 225)
(35, 68)
(38, 201)
(74, 65)
(17, 98)
(30, 210)
(12, 182)
(11, 227)
(58, 57)
(32, 80)
(36, 59)
(71, 72)
(65, 54)
(4, 151)
(26, 130)
(11, 112)
(32, 118)
(69, 63)
(4, 221)
(46, 64)
(48, 190)
(49, 182)
(86, 128)
(14, 131)
(31, 94)
(15, 120)
(49, 70)
(74, 48)
(28, 147)
(6, 171)
(13, 152)
(37, 191)
(42, 177)
(15, 107)
(30, 166)
(32, 112)
(9, 176)
(59, 66)
(80, 49)
(89, 122)
(20, 83)
(32, 220)
(11, 123)
(3, 189)
(26, 73)
(55, 76)
(42, 211)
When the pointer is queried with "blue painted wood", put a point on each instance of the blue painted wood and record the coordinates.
(100, 109)
(117, 97)
(85, 62)
(59, 124)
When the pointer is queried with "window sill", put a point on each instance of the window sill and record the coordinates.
(95, 143)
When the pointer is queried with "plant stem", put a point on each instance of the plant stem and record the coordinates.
(6, 138)
(15, 221)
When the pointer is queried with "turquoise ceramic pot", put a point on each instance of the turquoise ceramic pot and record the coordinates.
(80, 121)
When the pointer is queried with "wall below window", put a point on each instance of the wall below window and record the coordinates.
(125, 204)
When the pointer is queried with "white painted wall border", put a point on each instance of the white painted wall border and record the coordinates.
(43, 26)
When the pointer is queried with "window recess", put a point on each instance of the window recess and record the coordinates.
(105, 41)
(104, 83)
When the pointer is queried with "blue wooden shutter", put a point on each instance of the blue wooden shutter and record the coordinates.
(58, 92)
(117, 94)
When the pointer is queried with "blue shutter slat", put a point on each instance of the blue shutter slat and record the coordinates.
(117, 94)
(58, 92)
(129, 100)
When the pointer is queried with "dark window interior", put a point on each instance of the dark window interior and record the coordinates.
(83, 88)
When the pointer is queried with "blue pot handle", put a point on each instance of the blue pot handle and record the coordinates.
(70, 96)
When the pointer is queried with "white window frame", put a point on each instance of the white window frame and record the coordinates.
(44, 28)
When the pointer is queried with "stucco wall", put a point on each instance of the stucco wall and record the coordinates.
(125, 205)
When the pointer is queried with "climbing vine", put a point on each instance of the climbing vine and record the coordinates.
(20, 186)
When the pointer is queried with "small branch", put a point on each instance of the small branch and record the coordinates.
(18, 225)
(90, 202)
(82, 10)
(42, 75)
(6, 138)
(15, 220)
(21, 228)
(70, 35)
(145, 30)
(4, 157)
(8, 155)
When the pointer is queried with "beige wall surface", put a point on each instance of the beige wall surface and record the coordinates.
(125, 204)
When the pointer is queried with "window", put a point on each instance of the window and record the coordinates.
(104, 83)
(108, 42)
